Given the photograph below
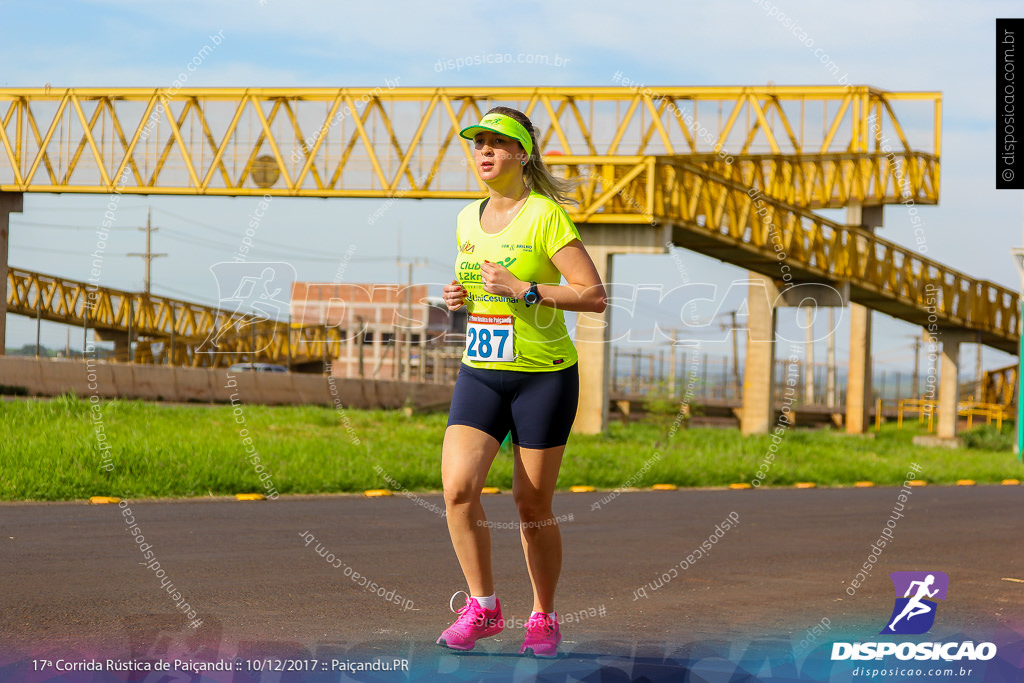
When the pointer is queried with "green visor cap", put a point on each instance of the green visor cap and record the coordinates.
(503, 125)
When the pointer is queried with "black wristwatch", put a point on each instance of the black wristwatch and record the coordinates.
(532, 296)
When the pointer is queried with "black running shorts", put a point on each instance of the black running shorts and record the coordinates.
(538, 407)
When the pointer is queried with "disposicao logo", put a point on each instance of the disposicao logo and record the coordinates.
(913, 614)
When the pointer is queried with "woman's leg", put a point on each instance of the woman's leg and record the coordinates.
(536, 472)
(466, 457)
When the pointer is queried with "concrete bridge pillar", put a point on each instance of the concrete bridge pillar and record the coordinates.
(949, 387)
(592, 341)
(759, 366)
(122, 343)
(593, 330)
(764, 298)
(858, 383)
(10, 202)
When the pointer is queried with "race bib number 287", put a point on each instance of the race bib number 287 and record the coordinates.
(490, 338)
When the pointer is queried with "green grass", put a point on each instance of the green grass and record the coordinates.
(49, 452)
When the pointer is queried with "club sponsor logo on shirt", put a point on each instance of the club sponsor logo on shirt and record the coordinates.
(528, 248)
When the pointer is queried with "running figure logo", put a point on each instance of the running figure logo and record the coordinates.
(914, 613)
(251, 294)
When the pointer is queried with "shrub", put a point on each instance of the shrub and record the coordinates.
(988, 438)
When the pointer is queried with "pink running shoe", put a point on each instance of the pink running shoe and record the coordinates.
(542, 636)
(474, 622)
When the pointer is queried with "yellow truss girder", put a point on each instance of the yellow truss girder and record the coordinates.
(186, 329)
(726, 219)
(999, 386)
(834, 180)
(816, 146)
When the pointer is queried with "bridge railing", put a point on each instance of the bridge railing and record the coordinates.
(717, 215)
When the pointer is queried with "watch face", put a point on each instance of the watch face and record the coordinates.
(532, 296)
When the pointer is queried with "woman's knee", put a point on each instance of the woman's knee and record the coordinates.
(461, 492)
(466, 457)
(533, 507)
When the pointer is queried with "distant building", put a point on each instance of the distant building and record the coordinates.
(389, 331)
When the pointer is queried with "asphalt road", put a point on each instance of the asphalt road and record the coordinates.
(75, 584)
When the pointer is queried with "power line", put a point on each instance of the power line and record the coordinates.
(220, 246)
(61, 226)
(264, 246)
(263, 242)
(64, 252)
(268, 248)
(79, 209)
(198, 241)
(190, 297)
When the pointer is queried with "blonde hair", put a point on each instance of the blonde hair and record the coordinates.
(536, 174)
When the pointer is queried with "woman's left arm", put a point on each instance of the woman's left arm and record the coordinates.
(583, 291)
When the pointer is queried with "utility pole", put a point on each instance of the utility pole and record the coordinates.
(979, 392)
(809, 357)
(405, 366)
(672, 364)
(735, 354)
(917, 365)
(734, 333)
(361, 341)
(149, 255)
(830, 359)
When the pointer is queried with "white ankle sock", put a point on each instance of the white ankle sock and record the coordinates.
(551, 615)
(488, 603)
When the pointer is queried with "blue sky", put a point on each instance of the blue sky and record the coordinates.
(945, 46)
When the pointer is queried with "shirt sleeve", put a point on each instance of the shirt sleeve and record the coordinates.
(459, 223)
(559, 230)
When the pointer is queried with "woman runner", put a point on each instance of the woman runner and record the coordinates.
(518, 371)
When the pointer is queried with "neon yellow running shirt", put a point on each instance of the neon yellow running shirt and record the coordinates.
(540, 341)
